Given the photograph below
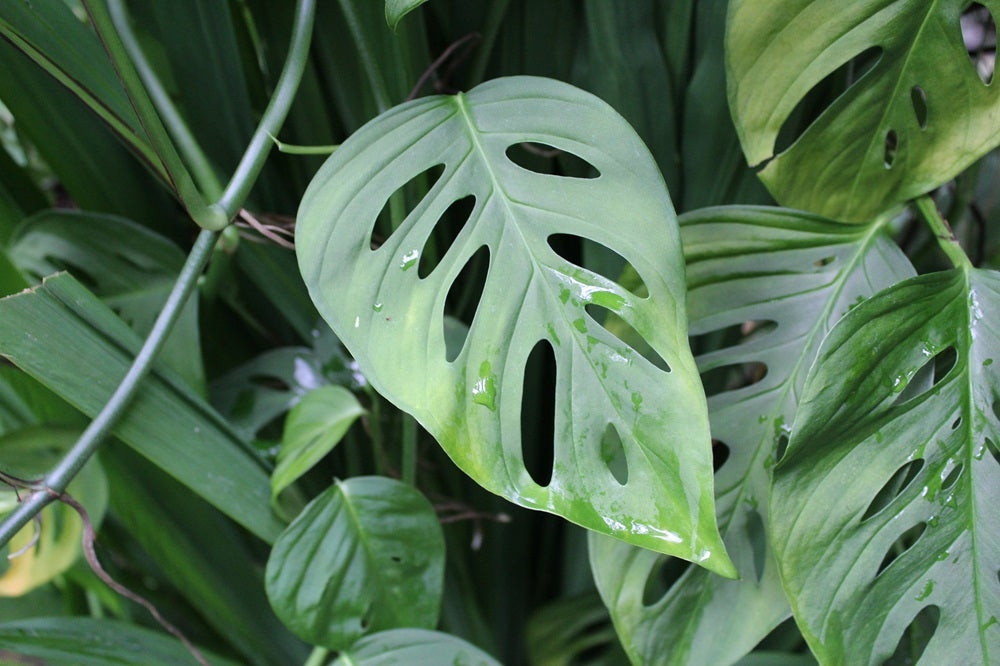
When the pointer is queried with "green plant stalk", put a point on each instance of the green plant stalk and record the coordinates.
(368, 60)
(942, 232)
(270, 124)
(181, 181)
(199, 164)
(56, 480)
(492, 29)
(317, 657)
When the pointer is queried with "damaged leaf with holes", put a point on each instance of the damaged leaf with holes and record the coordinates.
(916, 109)
(760, 304)
(891, 493)
(392, 318)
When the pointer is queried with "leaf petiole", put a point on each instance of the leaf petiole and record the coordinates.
(942, 232)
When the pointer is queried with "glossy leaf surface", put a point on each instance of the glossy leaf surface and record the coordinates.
(313, 427)
(917, 118)
(365, 555)
(885, 503)
(395, 10)
(81, 641)
(767, 284)
(413, 647)
(391, 319)
(63, 336)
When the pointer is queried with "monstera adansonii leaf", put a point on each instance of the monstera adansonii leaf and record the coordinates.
(784, 278)
(391, 319)
(884, 508)
(917, 118)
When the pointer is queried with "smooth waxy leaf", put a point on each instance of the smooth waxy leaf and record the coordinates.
(63, 336)
(83, 641)
(391, 319)
(917, 118)
(313, 427)
(28, 454)
(130, 267)
(792, 276)
(395, 10)
(413, 647)
(884, 505)
(364, 556)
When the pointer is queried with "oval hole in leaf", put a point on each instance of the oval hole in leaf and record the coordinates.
(822, 95)
(952, 477)
(780, 448)
(401, 202)
(463, 299)
(979, 32)
(545, 159)
(758, 541)
(731, 336)
(825, 261)
(957, 422)
(662, 577)
(891, 146)
(915, 637)
(896, 484)
(732, 377)
(992, 448)
(720, 454)
(943, 364)
(447, 229)
(919, 99)
(905, 541)
(599, 259)
(537, 414)
(613, 453)
(622, 330)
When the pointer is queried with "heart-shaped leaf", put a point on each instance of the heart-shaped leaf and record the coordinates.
(917, 118)
(883, 510)
(365, 555)
(771, 283)
(313, 427)
(391, 318)
(413, 647)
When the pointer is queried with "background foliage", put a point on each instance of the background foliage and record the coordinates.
(781, 372)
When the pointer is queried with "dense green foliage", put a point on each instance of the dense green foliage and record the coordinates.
(549, 376)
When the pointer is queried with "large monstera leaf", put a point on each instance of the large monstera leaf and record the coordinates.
(917, 118)
(391, 319)
(785, 277)
(884, 508)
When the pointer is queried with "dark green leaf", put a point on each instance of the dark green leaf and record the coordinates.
(62, 335)
(885, 504)
(912, 122)
(413, 647)
(364, 556)
(395, 10)
(391, 319)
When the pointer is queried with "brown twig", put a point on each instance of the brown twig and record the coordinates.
(275, 233)
(470, 40)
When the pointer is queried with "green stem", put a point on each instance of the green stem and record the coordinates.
(274, 115)
(942, 231)
(497, 11)
(368, 60)
(317, 657)
(409, 464)
(201, 167)
(60, 476)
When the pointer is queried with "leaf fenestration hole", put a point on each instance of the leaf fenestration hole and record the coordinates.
(780, 447)
(905, 541)
(537, 413)
(600, 259)
(918, 97)
(401, 202)
(622, 330)
(613, 454)
(892, 488)
(952, 477)
(662, 577)
(549, 160)
(822, 95)
(825, 261)
(944, 362)
(720, 454)
(979, 33)
(449, 225)
(732, 335)
(891, 146)
(464, 296)
(758, 542)
(915, 637)
(732, 377)
(991, 446)
(957, 422)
